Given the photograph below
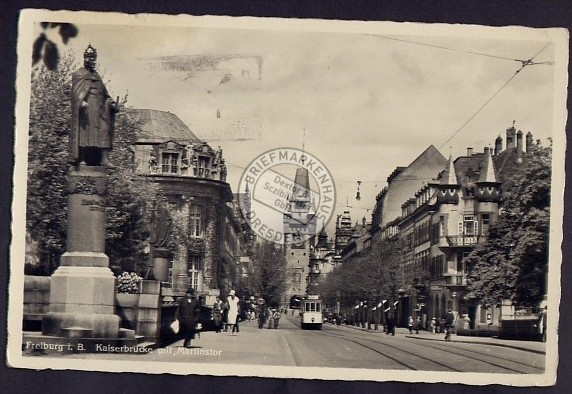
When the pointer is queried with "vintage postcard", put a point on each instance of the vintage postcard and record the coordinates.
(288, 198)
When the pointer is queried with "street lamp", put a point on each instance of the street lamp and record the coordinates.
(358, 196)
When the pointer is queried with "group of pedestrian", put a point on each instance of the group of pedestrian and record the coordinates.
(414, 324)
(226, 314)
(268, 317)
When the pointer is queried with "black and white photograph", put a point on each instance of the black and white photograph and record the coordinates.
(288, 198)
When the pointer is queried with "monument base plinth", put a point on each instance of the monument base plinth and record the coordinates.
(96, 325)
(77, 289)
(84, 259)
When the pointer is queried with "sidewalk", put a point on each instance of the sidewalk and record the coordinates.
(529, 346)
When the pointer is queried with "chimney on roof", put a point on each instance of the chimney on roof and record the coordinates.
(529, 142)
(510, 136)
(498, 145)
(519, 146)
(469, 151)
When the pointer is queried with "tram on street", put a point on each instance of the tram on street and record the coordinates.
(311, 314)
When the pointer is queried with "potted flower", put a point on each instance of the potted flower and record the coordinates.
(128, 289)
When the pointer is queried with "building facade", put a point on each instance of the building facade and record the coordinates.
(446, 208)
(321, 262)
(299, 228)
(192, 177)
(443, 222)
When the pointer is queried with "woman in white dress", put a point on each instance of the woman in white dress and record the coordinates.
(232, 301)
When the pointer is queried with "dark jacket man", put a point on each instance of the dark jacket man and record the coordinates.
(188, 316)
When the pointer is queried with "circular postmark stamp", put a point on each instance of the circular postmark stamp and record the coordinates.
(286, 195)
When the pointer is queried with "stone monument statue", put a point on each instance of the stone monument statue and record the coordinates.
(159, 241)
(93, 115)
(82, 292)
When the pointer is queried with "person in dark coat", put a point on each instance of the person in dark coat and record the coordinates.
(217, 314)
(390, 325)
(188, 316)
(449, 324)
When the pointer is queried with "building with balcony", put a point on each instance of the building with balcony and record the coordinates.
(439, 227)
(192, 176)
(443, 222)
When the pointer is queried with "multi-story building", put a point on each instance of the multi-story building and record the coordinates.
(359, 240)
(322, 260)
(443, 222)
(438, 211)
(299, 228)
(344, 231)
(192, 176)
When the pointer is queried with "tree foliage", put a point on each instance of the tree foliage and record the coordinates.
(50, 109)
(377, 272)
(45, 49)
(130, 199)
(129, 194)
(268, 273)
(513, 263)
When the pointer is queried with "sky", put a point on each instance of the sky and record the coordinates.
(364, 98)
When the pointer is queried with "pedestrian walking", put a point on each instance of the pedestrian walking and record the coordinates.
(188, 315)
(232, 318)
(262, 314)
(433, 325)
(449, 324)
(277, 315)
(225, 316)
(410, 324)
(338, 320)
(390, 325)
(217, 314)
(417, 324)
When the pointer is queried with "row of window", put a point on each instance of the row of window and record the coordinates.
(170, 164)
(425, 232)
(436, 267)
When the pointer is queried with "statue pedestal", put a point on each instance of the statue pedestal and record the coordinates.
(82, 292)
(161, 264)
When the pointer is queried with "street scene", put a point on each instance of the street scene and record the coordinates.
(345, 347)
(274, 197)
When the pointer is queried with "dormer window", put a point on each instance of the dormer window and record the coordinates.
(169, 163)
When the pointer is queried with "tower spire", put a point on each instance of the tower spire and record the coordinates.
(449, 176)
(488, 172)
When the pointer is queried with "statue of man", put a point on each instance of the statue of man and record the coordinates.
(161, 231)
(93, 115)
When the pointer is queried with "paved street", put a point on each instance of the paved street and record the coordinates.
(349, 347)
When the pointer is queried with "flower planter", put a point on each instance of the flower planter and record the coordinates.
(126, 300)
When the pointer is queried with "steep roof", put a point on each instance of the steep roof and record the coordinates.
(468, 168)
(409, 180)
(302, 178)
(449, 177)
(159, 126)
(505, 163)
(488, 172)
